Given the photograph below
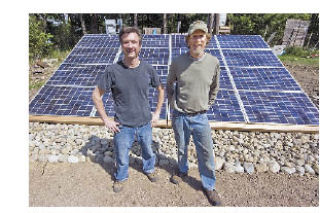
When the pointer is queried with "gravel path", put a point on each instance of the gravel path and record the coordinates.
(236, 152)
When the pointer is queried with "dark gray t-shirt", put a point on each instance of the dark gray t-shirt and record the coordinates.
(130, 89)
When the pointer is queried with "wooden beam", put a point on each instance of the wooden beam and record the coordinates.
(76, 120)
(260, 127)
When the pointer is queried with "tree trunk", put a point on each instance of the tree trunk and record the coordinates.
(93, 24)
(135, 20)
(83, 24)
(165, 23)
(210, 22)
(216, 26)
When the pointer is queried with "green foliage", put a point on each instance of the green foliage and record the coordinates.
(59, 54)
(39, 40)
(35, 85)
(301, 56)
(263, 24)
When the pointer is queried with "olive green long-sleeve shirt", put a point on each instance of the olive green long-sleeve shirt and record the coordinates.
(197, 83)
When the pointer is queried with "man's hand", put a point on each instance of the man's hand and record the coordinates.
(155, 118)
(111, 125)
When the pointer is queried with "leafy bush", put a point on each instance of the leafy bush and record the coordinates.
(300, 52)
(39, 40)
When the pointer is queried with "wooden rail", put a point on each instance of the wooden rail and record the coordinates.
(261, 127)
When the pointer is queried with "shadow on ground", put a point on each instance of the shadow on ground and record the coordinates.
(100, 151)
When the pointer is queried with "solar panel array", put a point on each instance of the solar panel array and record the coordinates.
(254, 85)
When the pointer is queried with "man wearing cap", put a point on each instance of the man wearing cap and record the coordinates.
(129, 81)
(196, 77)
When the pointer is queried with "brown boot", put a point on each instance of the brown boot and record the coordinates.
(178, 177)
(213, 197)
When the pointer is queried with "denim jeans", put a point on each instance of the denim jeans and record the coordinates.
(123, 141)
(198, 126)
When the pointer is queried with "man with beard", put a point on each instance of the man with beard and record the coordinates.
(196, 77)
(129, 81)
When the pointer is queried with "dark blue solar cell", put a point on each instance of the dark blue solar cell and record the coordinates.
(263, 79)
(78, 75)
(251, 58)
(50, 104)
(241, 41)
(92, 55)
(265, 107)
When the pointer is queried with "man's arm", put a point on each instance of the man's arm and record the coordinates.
(214, 88)
(97, 100)
(156, 114)
(170, 82)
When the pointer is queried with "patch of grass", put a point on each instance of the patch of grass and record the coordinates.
(35, 85)
(300, 56)
(59, 54)
(294, 60)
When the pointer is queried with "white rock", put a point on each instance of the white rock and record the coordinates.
(63, 158)
(309, 169)
(248, 167)
(300, 162)
(300, 170)
(228, 167)
(315, 167)
(73, 159)
(239, 168)
(53, 158)
(42, 158)
(288, 170)
(274, 167)
(219, 163)
(261, 167)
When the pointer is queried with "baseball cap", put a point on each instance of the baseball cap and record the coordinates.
(197, 25)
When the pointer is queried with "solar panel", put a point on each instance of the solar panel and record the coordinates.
(241, 41)
(277, 107)
(77, 75)
(66, 101)
(226, 108)
(263, 79)
(254, 85)
(155, 41)
(251, 58)
(92, 55)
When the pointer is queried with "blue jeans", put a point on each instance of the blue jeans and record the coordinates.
(198, 126)
(123, 141)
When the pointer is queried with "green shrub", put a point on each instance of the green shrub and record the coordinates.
(39, 40)
(300, 52)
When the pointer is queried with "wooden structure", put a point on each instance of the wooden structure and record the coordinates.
(295, 32)
(261, 127)
(151, 30)
(224, 30)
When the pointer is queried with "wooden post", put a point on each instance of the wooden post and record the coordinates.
(135, 20)
(210, 22)
(165, 31)
(216, 26)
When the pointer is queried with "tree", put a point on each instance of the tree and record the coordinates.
(135, 20)
(83, 24)
(165, 31)
(210, 22)
(39, 40)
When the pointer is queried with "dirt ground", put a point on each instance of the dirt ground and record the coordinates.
(90, 184)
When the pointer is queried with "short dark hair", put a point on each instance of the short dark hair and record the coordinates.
(130, 30)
